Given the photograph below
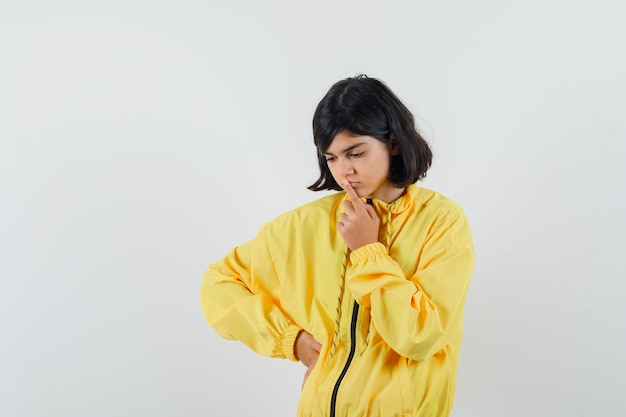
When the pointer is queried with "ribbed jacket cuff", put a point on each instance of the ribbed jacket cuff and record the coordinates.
(367, 251)
(288, 342)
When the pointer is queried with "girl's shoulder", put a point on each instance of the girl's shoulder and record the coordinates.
(319, 210)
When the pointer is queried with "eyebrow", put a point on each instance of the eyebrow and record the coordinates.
(348, 149)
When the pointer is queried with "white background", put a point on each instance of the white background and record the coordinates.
(141, 140)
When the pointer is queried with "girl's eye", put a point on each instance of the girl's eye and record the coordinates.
(356, 155)
(330, 159)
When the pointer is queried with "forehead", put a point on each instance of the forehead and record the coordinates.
(345, 140)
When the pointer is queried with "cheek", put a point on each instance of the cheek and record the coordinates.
(381, 170)
(334, 174)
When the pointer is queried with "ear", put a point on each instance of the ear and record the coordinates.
(392, 144)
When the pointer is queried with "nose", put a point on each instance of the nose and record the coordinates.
(345, 167)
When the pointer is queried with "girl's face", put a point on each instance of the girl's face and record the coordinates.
(364, 161)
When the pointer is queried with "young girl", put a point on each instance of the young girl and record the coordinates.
(366, 286)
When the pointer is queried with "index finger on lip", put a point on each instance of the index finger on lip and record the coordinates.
(351, 193)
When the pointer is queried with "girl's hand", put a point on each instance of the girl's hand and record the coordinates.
(307, 350)
(359, 224)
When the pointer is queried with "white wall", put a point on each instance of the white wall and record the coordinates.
(140, 141)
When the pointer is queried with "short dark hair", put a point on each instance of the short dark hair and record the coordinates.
(366, 106)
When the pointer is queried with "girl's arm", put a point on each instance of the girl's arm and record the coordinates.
(417, 315)
(239, 296)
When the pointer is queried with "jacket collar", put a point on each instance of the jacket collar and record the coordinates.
(402, 203)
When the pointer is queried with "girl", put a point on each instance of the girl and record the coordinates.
(366, 286)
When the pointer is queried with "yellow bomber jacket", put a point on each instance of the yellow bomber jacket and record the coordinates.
(389, 315)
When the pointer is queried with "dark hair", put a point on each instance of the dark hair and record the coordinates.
(366, 106)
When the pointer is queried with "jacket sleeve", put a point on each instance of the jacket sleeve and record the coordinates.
(240, 300)
(417, 315)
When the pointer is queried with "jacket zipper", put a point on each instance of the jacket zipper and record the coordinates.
(355, 315)
(333, 398)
